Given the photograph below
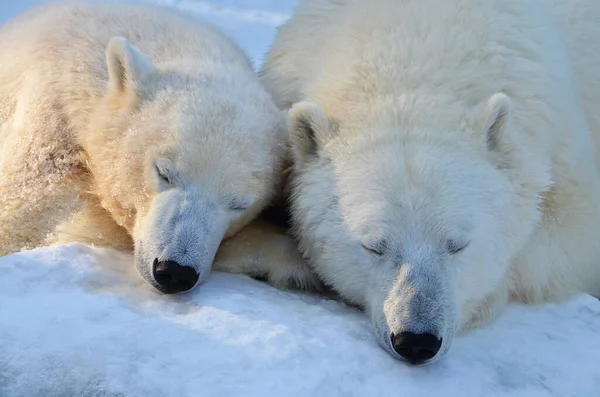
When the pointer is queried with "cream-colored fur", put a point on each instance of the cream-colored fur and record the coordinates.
(139, 128)
(447, 155)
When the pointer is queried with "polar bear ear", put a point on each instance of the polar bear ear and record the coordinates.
(496, 117)
(127, 66)
(309, 128)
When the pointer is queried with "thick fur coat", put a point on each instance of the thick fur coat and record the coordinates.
(447, 156)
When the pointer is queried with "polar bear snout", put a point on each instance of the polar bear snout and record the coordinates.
(415, 318)
(177, 240)
(173, 277)
(416, 348)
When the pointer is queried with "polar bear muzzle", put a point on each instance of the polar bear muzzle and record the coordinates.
(174, 277)
(177, 240)
(416, 348)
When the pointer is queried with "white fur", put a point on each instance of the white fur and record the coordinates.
(137, 127)
(423, 126)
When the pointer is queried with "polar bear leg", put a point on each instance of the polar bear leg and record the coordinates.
(263, 250)
(40, 177)
(92, 225)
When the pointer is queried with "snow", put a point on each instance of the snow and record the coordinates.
(78, 321)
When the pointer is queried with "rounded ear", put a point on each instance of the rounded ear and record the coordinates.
(309, 128)
(127, 66)
(496, 117)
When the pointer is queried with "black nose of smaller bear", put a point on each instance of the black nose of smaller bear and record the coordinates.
(416, 348)
(173, 277)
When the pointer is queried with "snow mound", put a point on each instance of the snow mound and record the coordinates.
(78, 321)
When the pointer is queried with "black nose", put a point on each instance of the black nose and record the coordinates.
(173, 277)
(416, 348)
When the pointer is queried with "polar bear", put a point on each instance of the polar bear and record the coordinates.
(446, 156)
(139, 128)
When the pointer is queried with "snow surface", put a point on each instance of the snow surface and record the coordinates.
(77, 321)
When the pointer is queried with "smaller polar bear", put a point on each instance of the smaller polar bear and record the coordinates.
(447, 156)
(139, 128)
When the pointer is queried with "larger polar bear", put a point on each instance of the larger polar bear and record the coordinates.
(446, 156)
(139, 128)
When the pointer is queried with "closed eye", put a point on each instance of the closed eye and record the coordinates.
(377, 249)
(162, 175)
(455, 247)
(239, 205)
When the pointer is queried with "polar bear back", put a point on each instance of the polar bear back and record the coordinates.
(579, 24)
(79, 77)
(487, 41)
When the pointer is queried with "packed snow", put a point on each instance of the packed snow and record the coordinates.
(78, 321)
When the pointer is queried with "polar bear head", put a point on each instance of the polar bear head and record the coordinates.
(182, 161)
(412, 222)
